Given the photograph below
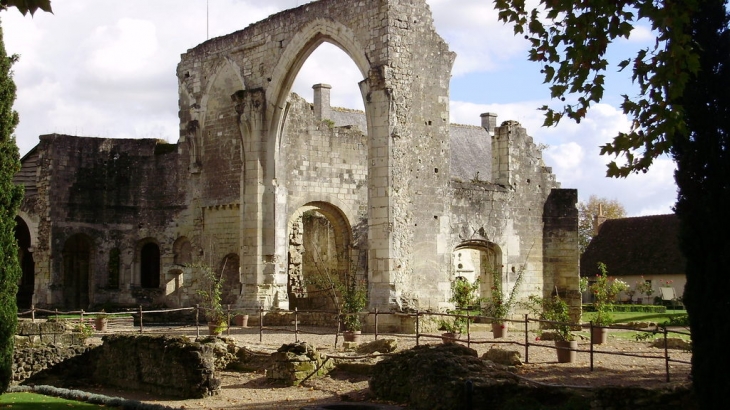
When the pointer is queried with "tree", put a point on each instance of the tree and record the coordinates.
(10, 197)
(682, 109)
(587, 211)
(25, 6)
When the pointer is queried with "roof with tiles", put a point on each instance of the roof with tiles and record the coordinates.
(644, 245)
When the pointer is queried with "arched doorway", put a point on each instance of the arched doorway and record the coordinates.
(231, 279)
(481, 260)
(77, 262)
(27, 264)
(319, 252)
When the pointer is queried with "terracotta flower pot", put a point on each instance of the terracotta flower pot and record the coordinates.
(241, 320)
(599, 335)
(352, 335)
(566, 350)
(450, 337)
(499, 330)
(101, 323)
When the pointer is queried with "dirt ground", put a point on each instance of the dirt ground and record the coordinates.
(638, 364)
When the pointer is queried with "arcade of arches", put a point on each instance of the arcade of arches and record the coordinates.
(272, 189)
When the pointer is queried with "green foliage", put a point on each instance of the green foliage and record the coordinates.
(682, 108)
(643, 287)
(349, 296)
(604, 291)
(83, 329)
(570, 39)
(497, 306)
(609, 208)
(210, 292)
(25, 6)
(555, 311)
(464, 296)
(10, 197)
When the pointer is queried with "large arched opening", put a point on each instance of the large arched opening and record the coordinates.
(320, 254)
(480, 260)
(27, 264)
(77, 262)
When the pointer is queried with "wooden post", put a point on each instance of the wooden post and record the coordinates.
(376, 323)
(418, 326)
(527, 340)
(296, 325)
(197, 319)
(228, 319)
(261, 324)
(666, 353)
(141, 327)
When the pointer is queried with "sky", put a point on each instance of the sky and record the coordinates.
(108, 69)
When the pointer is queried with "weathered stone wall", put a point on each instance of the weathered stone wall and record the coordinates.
(253, 159)
(31, 360)
(165, 365)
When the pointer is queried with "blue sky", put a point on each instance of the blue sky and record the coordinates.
(107, 69)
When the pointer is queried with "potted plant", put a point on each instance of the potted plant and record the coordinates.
(556, 314)
(241, 320)
(210, 294)
(605, 290)
(497, 307)
(452, 328)
(644, 287)
(101, 321)
(348, 295)
(354, 300)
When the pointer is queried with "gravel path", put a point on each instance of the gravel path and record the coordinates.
(254, 391)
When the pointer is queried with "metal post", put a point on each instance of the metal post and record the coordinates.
(527, 340)
(261, 324)
(197, 319)
(296, 325)
(591, 330)
(337, 334)
(376, 323)
(468, 332)
(666, 353)
(418, 326)
(228, 319)
(140, 319)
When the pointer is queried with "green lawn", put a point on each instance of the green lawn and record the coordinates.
(626, 317)
(30, 401)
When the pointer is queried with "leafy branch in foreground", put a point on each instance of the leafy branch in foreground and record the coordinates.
(570, 40)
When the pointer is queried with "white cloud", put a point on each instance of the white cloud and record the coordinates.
(107, 69)
(122, 50)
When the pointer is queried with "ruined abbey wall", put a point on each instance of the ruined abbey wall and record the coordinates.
(399, 195)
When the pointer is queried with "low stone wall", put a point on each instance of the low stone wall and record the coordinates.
(32, 360)
(47, 332)
(164, 365)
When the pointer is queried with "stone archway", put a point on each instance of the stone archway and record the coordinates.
(27, 264)
(319, 246)
(478, 260)
(405, 67)
(77, 262)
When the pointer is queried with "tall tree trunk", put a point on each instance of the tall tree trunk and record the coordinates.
(703, 206)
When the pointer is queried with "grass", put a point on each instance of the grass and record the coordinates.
(30, 401)
(626, 317)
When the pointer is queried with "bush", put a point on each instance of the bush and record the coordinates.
(629, 308)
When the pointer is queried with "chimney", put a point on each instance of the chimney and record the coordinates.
(322, 101)
(489, 122)
(598, 220)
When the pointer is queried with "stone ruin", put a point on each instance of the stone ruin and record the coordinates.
(267, 188)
